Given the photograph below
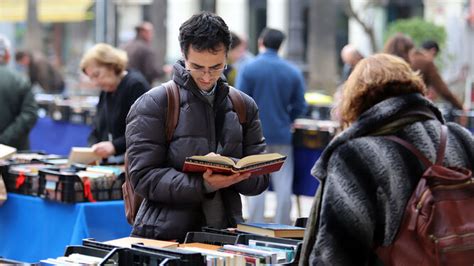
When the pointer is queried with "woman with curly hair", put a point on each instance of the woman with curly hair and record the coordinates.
(105, 66)
(366, 179)
(402, 46)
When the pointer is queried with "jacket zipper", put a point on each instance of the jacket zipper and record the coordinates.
(436, 240)
(421, 201)
(419, 205)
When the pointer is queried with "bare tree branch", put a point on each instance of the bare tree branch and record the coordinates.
(368, 29)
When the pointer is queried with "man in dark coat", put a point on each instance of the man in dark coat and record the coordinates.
(141, 55)
(17, 103)
(176, 202)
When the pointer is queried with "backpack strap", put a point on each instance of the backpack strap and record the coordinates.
(172, 93)
(239, 104)
(419, 154)
(442, 145)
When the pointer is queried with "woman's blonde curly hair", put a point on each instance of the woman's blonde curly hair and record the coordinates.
(105, 55)
(373, 80)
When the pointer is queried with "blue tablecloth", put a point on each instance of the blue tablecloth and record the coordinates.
(303, 182)
(57, 137)
(32, 229)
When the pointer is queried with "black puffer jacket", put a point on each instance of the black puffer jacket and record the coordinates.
(369, 179)
(173, 199)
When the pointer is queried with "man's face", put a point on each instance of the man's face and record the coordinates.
(205, 66)
(24, 61)
(147, 32)
(431, 53)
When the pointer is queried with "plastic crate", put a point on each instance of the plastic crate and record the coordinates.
(66, 186)
(210, 238)
(23, 178)
(61, 186)
(139, 255)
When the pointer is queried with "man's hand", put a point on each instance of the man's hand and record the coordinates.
(104, 149)
(218, 181)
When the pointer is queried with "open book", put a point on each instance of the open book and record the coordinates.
(84, 155)
(258, 164)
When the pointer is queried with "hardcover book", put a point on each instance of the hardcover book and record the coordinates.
(83, 155)
(272, 229)
(258, 164)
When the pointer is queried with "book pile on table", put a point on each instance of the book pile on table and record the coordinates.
(256, 252)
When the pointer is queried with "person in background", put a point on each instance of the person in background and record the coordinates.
(141, 55)
(176, 202)
(278, 89)
(431, 49)
(238, 56)
(105, 67)
(350, 57)
(40, 71)
(18, 108)
(402, 46)
(366, 179)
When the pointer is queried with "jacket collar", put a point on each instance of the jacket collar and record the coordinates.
(374, 118)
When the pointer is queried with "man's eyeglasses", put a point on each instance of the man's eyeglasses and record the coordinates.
(212, 72)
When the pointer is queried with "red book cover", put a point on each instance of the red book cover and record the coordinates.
(256, 164)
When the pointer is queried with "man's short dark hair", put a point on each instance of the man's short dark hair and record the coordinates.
(20, 54)
(204, 31)
(236, 41)
(430, 44)
(272, 38)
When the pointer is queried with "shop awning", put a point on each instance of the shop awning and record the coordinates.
(64, 10)
(13, 10)
(48, 10)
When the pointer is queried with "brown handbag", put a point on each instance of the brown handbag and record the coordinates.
(132, 201)
(438, 224)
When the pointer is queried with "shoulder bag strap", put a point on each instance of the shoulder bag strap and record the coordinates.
(172, 93)
(419, 154)
(239, 104)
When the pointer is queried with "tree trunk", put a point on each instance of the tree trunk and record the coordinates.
(158, 20)
(322, 52)
(295, 33)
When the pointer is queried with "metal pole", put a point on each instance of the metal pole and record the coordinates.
(100, 21)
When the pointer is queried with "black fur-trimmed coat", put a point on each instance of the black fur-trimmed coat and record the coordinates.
(368, 180)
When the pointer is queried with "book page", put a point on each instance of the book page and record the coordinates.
(84, 155)
(214, 159)
(258, 158)
(6, 151)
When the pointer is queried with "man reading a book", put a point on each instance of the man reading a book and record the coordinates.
(176, 202)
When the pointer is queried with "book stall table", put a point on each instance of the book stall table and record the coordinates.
(58, 137)
(32, 229)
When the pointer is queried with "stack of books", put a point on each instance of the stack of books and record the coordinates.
(256, 252)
